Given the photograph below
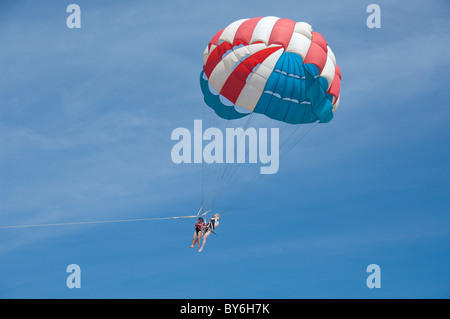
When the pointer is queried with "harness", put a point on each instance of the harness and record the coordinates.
(199, 227)
(210, 227)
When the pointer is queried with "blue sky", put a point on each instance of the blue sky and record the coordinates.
(85, 123)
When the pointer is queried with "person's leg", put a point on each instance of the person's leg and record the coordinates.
(204, 240)
(194, 240)
(199, 238)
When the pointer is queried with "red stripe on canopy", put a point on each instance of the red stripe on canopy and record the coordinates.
(215, 57)
(245, 31)
(237, 79)
(282, 32)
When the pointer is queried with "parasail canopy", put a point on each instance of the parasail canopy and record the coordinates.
(272, 66)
